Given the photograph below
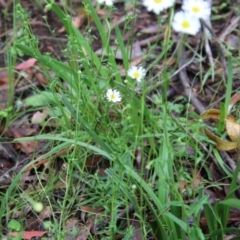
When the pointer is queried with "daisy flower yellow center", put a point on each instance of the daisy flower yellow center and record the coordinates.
(157, 1)
(185, 24)
(136, 75)
(195, 9)
(112, 96)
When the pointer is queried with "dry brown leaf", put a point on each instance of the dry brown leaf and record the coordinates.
(233, 41)
(137, 235)
(3, 76)
(41, 79)
(27, 64)
(63, 29)
(28, 146)
(89, 209)
(39, 117)
(221, 144)
(219, 71)
(45, 213)
(84, 231)
(169, 61)
(235, 98)
(70, 224)
(28, 235)
(77, 22)
(232, 128)
(84, 13)
(212, 113)
(197, 180)
(26, 178)
(60, 184)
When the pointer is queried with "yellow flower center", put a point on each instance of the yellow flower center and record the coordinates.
(196, 9)
(185, 24)
(112, 96)
(136, 75)
(157, 1)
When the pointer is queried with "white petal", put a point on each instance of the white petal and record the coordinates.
(151, 5)
(109, 2)
(203, 6)
(180, 17)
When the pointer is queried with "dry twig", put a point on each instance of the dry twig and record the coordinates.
(185, 82)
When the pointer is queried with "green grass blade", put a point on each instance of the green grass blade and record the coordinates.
(85, 126)
(61, 69)
(169, 218)
(229, 84)
(105, 40)
(231, 202)
(122, 47)
(15, 181)
(221, 163)
(69, 141)
(224, 211)
(72, 30)
(210, 217)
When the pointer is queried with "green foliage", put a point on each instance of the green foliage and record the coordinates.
(115, 138)
(4, 113)
(14, 225)
(44, 98)
(90, 125)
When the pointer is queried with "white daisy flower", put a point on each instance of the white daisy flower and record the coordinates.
(198, 8)
(113, 95)
(107, 2)
(157, 5)
(186, 23)
(137, 73)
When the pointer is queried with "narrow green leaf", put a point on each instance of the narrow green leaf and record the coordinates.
(232, 203)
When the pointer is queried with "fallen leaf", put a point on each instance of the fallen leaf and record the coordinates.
(28, 235)
(234, 99)
(39, 117)
(169, 61)
(77, 22)
(41, 79)
(233, 41)
(70, 225)
(3, 76)
(45, 213)
(219, 71)
(20, 131)
(27, 64)
(93, 161)
(27, 146)
(89, 209)
(232, 127)
(137, 235)
(84, 230)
